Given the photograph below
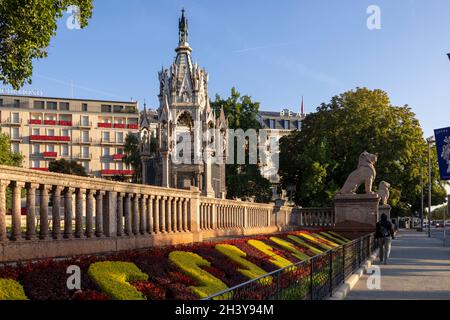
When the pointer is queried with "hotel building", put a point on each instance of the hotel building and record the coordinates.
(91, 132)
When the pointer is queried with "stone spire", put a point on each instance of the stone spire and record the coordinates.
(183, 31)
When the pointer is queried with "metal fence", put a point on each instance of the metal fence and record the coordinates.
(312, 279)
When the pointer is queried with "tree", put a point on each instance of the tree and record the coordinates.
(243, 180)
(67, 167)
(26, 28)
(438, 213)
(132, 155)
(7, 157)
(318, 159)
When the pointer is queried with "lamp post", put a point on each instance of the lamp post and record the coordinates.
(421, 197)
(430, 140)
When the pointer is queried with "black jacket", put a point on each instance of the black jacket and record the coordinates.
(388, 225)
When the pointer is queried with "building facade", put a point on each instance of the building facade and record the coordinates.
(91, 132)
(184, 115)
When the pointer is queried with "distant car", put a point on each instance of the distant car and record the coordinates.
(439, 224)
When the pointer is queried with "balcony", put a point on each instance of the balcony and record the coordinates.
(50, 155)
(65, 123)
(35, 121)
(133, 126)
(40, 169)
(82, 141)
(85, 157)
(118, 157)
(104, 125)
(85, 125)
(12, 122)
(50, 122)
(120, 125)
(50, 138)
(116, 173)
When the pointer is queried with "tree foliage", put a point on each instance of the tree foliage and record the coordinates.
(438, 213)
(7, 157)
(243, 180)
(132, 155)
(318, 159)
(67, 167)
(26, 27)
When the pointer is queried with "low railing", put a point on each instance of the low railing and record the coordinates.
(313, 279)
(315, 217)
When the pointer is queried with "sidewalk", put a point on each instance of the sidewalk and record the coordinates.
(419, 268)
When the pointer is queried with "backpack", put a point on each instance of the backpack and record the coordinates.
(384, 231)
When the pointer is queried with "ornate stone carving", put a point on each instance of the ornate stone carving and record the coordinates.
(383, 192)
(365, 173)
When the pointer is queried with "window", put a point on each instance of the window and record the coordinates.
(52, 105)
(271, 123)
(15, 147)
(65, 132)
(118, 108)
(64, 106)
(85, 152)
(85, 136)
(36, 149)
(106, 136)
(15, 117)
(50, 148)
(119, 166)
(106, 152)
(38, 105)
(85, 120)
(50, 132)
(106, 108)
(65, 150)
(299, 125)
(51, 117)
(85, 164)
(286, 124)
(36, 164)
(120, 151)
(15, 133)
(84, 107)
(120, 137)
(1, 102)
(16, 103)
(105, 165)
(36, 131)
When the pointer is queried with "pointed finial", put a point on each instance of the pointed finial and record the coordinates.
(302, 108)
(183, 28)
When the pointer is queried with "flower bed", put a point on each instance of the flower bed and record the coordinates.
(182, 273)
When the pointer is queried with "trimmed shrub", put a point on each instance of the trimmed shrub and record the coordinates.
(11, 290)
(314, 240)
(305, 244)
(277, 260)
(290, 247)
(191, 263)
(113, 278)
(332, 238)
(250, 270)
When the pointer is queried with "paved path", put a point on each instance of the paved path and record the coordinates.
(419, 268)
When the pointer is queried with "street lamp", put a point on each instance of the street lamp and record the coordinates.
(430, 140)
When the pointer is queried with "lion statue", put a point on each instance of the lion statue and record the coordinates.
(364, 174)
(383, 192)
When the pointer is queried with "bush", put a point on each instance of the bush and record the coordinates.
(113, 278)
(11, 290)
(190, 264)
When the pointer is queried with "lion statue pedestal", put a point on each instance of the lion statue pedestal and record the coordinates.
(356, 212)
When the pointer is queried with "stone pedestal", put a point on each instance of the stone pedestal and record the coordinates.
(356, 212)
(386, 209)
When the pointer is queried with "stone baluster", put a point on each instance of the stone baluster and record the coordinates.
(157, 214)
(99, 214)
(68, 214)
(207, 215)
(179, 223)
(31, 210)
(135, 214)
(150, 216)
(143, 214)
(56, 208)
(119, 212)
(43, 211)
(127, 213)
(79, 199)
(3, 185)
(163, 214)
(185, 215)
(90, 213)
(16, 232)
(169, 214)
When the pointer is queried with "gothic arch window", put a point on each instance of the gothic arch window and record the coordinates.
(185, 120)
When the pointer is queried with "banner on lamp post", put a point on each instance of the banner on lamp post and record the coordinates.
(442, 137)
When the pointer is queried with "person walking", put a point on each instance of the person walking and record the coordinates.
(384, 233)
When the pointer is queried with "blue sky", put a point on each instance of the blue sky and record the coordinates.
(274, 50)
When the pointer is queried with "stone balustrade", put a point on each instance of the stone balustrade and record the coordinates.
(69, 215)
(315, 217)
